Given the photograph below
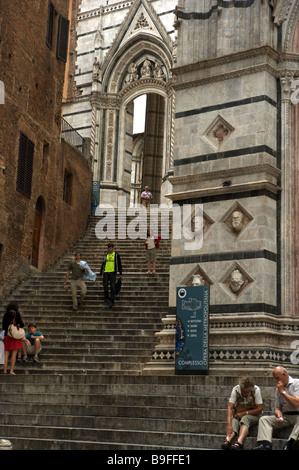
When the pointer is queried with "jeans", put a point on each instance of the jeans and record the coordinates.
(109, 278)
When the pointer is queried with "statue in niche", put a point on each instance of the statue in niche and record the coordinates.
(146, 69)
(132, 74)
(142, 22)
(236, 280)
(96, 69)
(158, 72)
(237, 221)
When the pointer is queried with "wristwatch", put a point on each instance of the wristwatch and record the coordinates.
(284, 392)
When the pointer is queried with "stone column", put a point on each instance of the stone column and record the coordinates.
(287, 182)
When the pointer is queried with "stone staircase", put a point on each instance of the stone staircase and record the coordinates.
(88, 392)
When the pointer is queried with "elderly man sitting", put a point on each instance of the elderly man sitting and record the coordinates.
(286, 411)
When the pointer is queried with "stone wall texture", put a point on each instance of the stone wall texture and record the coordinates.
(33, 78)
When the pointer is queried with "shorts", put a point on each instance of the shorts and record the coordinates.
(31, 349)
(150, 255)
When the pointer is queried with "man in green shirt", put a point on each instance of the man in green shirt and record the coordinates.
(77, 280)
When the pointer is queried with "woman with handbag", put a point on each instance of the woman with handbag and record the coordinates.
(13, 325)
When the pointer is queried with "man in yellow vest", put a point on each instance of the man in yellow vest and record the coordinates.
(110, 267)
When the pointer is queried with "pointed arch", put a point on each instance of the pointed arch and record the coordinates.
(140, 48)
(142, 66)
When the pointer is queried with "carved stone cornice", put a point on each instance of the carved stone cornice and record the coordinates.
(105, 100)
(146, 83)
(242, 63)
(217, 190)
(250, 70)
(226, 59)
(265, 168)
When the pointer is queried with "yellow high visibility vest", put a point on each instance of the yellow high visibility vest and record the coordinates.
(110, 263)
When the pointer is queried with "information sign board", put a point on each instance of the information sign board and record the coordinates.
(192, 337)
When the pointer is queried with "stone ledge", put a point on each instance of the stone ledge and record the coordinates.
(216, 190)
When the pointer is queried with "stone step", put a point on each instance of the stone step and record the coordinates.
(88, 391)
(66, 438)
(125, 388)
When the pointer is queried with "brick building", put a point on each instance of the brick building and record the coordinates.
(45, 183)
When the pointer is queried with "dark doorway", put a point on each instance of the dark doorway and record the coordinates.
(37, 232)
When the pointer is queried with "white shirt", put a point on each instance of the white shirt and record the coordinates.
(292, 389)
(150, 243)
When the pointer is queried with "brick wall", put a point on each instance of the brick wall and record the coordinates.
(33, 78)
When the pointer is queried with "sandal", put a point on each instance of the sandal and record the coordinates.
(237, 446)
(226, 445)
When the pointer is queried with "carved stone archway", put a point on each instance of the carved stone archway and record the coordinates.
(142, 66)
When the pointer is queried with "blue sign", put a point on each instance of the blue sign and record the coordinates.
(192, 324)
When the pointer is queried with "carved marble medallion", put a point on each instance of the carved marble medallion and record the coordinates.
(236, 219)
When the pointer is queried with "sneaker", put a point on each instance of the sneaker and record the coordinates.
(25, 358)
(265, 445)
(288, 445)
(35, 358)
(111, 304)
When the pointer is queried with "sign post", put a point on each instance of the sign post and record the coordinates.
(192, 324)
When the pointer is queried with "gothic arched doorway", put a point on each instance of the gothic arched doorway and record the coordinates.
(140, 67)
(147, 147)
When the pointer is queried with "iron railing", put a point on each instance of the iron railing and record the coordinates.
(71, 135)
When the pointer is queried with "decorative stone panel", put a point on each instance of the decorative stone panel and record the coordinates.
(218, 131)
(198, 273)
(235, 281)
(236, 219)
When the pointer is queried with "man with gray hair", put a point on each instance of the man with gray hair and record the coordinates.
(286, 411)
(244, 408)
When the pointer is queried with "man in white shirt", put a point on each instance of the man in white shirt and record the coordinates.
(244, 408)
(146, 197)
(286, 411)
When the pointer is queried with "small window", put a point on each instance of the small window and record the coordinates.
(45, 152)
(25, 165)
(62, 39)
(50, 25)
(67, 188)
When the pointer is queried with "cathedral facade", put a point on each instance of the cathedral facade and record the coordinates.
(221, 81)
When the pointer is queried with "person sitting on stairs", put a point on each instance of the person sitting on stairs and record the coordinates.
(286, 413)
(32, 343)
(244, 409)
